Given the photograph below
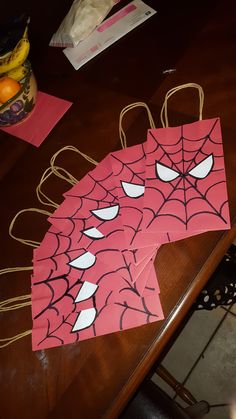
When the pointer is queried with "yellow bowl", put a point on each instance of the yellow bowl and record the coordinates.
(20, 106)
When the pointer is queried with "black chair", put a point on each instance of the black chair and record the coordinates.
(150, 402)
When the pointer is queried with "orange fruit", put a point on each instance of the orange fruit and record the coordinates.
(8, 88)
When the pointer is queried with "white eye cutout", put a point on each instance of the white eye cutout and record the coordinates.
(93, 233)
(106, 214)
(86, 291)
(84, 319)
(201, 170)
(166, 173)
(85, 261)
(133, 190)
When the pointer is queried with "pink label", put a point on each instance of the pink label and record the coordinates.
(119, 15)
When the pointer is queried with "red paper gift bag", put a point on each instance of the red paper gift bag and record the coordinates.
(185, 187)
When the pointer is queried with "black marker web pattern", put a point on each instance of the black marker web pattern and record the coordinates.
(117, 295)
(186, 203)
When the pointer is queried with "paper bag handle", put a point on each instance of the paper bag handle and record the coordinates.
(127, 109)
(61, 173)
(27, 242)
(164, 114)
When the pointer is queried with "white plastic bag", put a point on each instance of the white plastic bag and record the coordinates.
(83, 17)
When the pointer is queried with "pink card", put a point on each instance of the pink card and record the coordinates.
(47, 112)
(185, 188)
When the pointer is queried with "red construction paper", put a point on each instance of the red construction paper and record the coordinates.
(70, 222)
(129, 171)
(56, 252)
(128, 167)
(67, 262)
(93, 272)
(96, 191)
(109, 309)
(47, 112)
(55, 248)
(100, 186)
(84, 200)
(185, 189)
(56, 284)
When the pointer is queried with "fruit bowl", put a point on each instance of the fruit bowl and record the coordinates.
(20, 106)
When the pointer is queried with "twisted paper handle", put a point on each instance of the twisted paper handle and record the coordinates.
(164, 114)
(28, 242)
(127, 109)
(9, 341)
(61, 173)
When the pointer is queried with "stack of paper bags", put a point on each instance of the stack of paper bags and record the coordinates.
(94, 270)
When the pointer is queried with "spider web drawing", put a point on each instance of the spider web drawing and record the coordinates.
(113, 313)
(129, 172)
(56, 243)
(83, 283)
(96, 190)
(56, 286)
(179, 196)
(93, 272)
(129, 169)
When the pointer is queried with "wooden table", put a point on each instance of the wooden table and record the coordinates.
(96, 378)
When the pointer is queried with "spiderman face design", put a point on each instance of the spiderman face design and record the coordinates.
(200, 171)
(129, 170)
(129, 167)
(85, 281)
(185, 187)
(93, 272)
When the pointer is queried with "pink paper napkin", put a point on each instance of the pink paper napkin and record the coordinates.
(47, 112)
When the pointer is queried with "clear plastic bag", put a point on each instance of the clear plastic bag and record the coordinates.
(83, 17)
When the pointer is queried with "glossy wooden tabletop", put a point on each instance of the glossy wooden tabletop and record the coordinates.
(95, 378)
